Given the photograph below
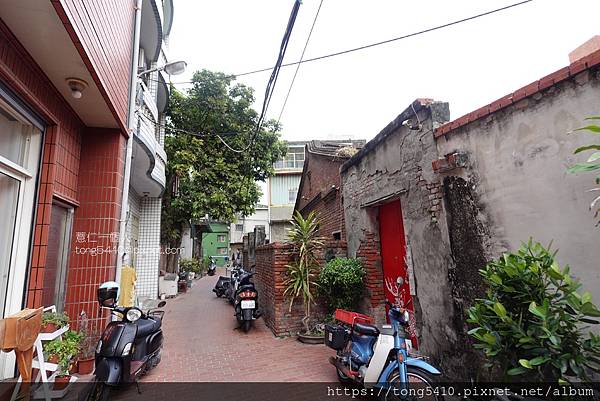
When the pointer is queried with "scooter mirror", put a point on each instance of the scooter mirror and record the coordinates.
(399, 281)
(161, 304)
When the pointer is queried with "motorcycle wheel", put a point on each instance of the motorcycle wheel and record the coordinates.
(246, 324)
(98, 392)
(342, 378)
(417, 379)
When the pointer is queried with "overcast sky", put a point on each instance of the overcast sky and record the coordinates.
(356, 95)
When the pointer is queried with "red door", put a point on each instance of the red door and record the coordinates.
(393, 256)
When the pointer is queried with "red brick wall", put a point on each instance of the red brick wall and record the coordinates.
(323, 173)
(370, 256)
(100, 194)
(102, 31)
(271, 272)
(81, 166)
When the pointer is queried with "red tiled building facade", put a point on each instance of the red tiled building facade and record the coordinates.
(73, 164)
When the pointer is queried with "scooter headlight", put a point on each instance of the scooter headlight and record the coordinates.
(134, 314)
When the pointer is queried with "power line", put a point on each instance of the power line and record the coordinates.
(298, 65)
(435, 28)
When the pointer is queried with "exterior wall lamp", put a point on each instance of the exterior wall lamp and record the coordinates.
(172, 68)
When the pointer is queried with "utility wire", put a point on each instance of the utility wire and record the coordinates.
(298, 65)
(435, 28)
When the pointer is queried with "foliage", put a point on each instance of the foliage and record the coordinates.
(592, 163)
(204, 177)
(205, 262)
(191, 265)
(303, 272)
(531, 322)
(341, 283)
(59, 319)
(65, 349)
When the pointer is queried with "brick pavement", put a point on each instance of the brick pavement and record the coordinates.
(202, 344)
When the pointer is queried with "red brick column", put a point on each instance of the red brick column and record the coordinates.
(369, 253)
(100, 194)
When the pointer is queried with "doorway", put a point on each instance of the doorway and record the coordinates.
(393, 257)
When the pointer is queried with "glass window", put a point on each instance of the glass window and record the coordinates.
(55, 272)
(292, 195)
(239, 227)
(15, 137)
(294, 158)
(9, 200)
(222, 251)
(221, 238)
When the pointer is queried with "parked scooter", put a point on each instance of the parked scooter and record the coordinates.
(378, 358)
(246, 301)
(128, 348)
(212, 267)
(224, 284)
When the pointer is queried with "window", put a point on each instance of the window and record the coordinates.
(239, 227)
(221, 238)
(337, 235)
(222, 251)
(292, 195)
(294, 158)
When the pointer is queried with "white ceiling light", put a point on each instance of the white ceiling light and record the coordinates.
(77, 87)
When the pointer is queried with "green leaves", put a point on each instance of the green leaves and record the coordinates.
(203, 175)
(341, 283)
(531, 322)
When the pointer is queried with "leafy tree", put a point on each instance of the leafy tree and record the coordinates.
(204, 176)
(532, 323)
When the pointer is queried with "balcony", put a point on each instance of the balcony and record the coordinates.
(149, 158)
(151, 33)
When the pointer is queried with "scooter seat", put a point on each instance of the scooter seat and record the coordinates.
(365, 329)
(146, 326)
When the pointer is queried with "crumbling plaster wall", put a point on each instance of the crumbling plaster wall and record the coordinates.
(517, 176)
(397, 163)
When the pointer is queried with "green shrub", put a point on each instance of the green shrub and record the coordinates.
(341, 283)
(532, 322)
(190, 265)
(59, 319)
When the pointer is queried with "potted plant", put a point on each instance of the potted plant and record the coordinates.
(303, 272)
(64, 350)
(85, 359)
(52, 321)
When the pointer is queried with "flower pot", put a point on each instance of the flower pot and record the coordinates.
(61, 382)
(86, 366)
(73, 367)
(49, 328)
(311, 339)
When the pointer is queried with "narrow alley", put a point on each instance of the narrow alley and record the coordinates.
(202, 344)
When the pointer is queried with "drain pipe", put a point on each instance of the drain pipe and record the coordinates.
(131, 125)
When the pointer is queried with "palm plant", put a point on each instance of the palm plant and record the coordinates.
(304, 271)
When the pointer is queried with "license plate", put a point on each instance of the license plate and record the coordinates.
(248, 304)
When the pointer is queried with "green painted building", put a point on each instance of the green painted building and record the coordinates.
(216, 243)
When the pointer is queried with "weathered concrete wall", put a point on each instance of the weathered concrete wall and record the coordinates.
(516, 185)
(397, 164)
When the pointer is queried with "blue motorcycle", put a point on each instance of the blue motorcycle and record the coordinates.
(378, 359)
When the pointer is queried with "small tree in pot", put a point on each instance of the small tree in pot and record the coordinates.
(303, 272)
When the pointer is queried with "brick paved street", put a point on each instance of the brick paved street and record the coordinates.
(203, 344)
